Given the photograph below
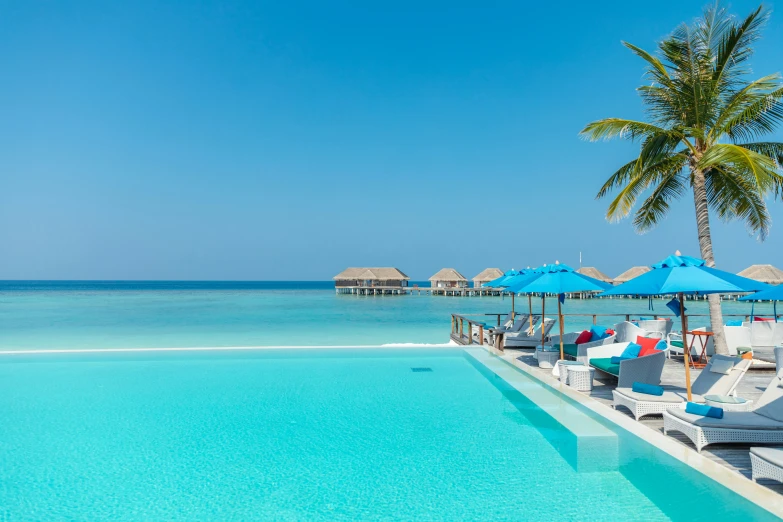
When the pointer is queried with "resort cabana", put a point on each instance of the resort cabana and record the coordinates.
(366, 281)
(485, 276)
(768, 274)
(448, 282)
(630, 274)
(594, 273)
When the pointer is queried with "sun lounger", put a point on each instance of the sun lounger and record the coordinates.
(578, 351)
(707, 383)
(675, 345)
(763, 425)
(766, 463)
(660, 327)
(647, 369)
(523, 340)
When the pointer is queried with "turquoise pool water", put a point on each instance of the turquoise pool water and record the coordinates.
(333, 434)
(85, 315)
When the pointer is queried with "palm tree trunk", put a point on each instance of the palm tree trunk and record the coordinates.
(705, 245)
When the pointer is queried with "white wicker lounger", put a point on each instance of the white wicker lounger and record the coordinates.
(707, 383)
(767, 463)
(763, 425)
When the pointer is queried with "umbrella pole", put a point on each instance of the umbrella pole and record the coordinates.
(686, 350)
(530, 309)
(513, 294)
(560, 320)
(543, 316)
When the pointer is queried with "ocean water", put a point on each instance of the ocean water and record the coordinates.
(330, 434)
(88, 315)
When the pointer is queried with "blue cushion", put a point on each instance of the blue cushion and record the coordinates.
(704, 410)
(649, 389)
(661, 345)
(736, 322)
(599, 332)
(618, 360)
(632, 350)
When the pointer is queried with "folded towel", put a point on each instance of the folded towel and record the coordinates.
(618, 360)
(649, 389)
(704, 410)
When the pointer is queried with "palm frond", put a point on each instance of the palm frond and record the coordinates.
(655, 207)
(735, 47)
(734, 195)
(731, 157)
(610, 128)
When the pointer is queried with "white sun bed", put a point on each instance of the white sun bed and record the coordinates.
(707, 383)
(766, 463)
(763, 425)
(523, 340)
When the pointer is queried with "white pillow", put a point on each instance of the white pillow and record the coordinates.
(721, 366)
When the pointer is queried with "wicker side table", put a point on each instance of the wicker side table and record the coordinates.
(580, 378)
(562, 372)
(728, 403)
(547, 359)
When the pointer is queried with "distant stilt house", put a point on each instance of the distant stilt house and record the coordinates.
(764, 273)
(485, 276)
(449, 282)
(631, 273)
(593, 272)
(371, 281)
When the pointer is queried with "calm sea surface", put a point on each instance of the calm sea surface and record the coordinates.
(130, 314)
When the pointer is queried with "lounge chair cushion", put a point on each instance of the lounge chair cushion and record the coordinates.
(632, 350)
(674, 397)
(584, 337)
(647, 344)
(721, 366)
(771, 455)
(770, 404)
(678, 344)
(570, 349)
(737, 322)
(605, 365)
(599, 332)
(735, 420)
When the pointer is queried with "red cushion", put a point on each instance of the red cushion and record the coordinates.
(762, 319)
(611, 332)
(584, 337)
(648, 345)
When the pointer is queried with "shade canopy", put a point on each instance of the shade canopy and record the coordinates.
(686, 275)
(501, 282)
(773, 293)
(557, 279)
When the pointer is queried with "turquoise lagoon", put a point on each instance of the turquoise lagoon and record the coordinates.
(87, 315)
(322, 434)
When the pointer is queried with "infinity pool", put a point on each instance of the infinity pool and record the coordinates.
(332, 434)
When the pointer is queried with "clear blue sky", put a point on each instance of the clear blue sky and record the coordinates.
(287, 140)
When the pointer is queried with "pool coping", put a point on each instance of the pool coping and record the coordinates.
(746, 488)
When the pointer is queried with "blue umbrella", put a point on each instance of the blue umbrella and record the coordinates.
(773, 293)
(684, 275)
(558, 279)
(501, 281)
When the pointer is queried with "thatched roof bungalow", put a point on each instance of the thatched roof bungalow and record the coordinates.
(593, 272)
(485, 276)
(370, 277)
(764, 273)
(631, 273)
(448, 278)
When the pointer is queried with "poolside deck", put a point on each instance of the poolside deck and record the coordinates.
(735, 457)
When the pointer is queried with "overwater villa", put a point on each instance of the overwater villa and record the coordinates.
(485, 276)
(448, 281)
(371, 281)
(593, 272)
(765, 273)
(630, 274)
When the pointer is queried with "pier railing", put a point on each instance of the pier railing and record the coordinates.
(462, 325)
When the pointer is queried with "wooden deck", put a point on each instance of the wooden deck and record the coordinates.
(736, 457)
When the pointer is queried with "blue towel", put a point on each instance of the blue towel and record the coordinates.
(649, 389)
(618, 360)
(704, 410)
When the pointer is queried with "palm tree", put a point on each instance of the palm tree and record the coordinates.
(704, 134)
